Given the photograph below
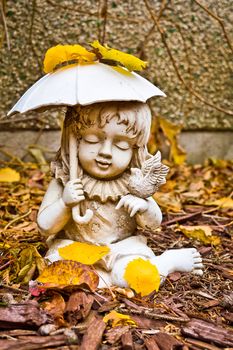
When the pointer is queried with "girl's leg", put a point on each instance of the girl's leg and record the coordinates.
(183, 260)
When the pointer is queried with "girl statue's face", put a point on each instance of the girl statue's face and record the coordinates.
(105, 153)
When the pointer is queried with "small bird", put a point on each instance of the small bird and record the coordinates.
(145, 182)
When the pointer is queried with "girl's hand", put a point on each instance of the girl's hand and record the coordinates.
(133, 204)
(73, 193)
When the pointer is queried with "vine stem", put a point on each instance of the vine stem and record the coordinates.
(187, 87)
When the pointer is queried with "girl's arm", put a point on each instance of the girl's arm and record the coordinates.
(147, 212)
(53, 214)
(55, 210)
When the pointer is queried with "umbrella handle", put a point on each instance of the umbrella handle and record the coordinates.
(74, 175)
(85, 219)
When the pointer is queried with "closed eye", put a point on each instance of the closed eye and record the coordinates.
(91, 138)
(124, 145)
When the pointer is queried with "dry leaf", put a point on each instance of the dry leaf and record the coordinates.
(225, 202)
(65, 273)
(202, 233)
(118, 319)
(55, 307)
(9, 175)
(129, 61)
(168, 201)
(83, 252)
(171, 131)
(142, 276)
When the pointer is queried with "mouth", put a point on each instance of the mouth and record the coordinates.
(103, 164)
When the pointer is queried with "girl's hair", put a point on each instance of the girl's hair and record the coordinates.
(135, 115)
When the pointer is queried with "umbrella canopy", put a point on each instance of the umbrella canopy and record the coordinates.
(86, 84)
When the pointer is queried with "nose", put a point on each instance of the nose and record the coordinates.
(106, 149)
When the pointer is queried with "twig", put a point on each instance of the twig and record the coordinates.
(187, 87)
(17, 219)
(2, 285)
(181, 218)
(93, 14)
(18, 120)
(142, 44)
(5, 265)
(220, 21)
(153, 315)
(5, 24)
(103, 13)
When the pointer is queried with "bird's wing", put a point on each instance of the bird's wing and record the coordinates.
(151, 163)
(154, 171)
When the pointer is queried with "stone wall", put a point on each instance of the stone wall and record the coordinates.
(196, 41)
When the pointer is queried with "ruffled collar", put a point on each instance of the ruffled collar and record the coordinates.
(105, 190)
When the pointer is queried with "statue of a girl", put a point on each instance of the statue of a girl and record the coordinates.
(111, 139)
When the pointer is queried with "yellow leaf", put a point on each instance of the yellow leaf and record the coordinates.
(118, 319)
(128, 61)
(170, 130)
(142, 276)
(60, 54)
(168, 201)
(9, 175)
(202, 233)
(83, 252)
(225, 202)
(65, 273)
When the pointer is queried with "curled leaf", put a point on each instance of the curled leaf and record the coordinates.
(171, 131)
(202, 233)
(142, 276)
(65, 273)
(9, 175)
(83, 252)
(60, 54)
(117, 319)
(126, 60)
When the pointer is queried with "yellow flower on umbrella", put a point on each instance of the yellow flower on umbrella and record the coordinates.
(66, 54)
(124, 59)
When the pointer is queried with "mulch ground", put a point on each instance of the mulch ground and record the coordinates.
(188, 312)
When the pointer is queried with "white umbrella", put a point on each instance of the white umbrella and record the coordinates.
(85, 84)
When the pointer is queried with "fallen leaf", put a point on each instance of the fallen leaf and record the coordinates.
(202, 233)
(9, 175)
(83, 252)
(117, 319)
(65, 273)
(225, 202)
(78, 306)
(142, 276)
(55, 306)
(171, 131)
(168, 201)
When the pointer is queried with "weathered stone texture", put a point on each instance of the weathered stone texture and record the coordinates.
(196, 41)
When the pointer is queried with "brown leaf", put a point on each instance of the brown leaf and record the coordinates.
(66, 273)
(55, 307)
(78, 306)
